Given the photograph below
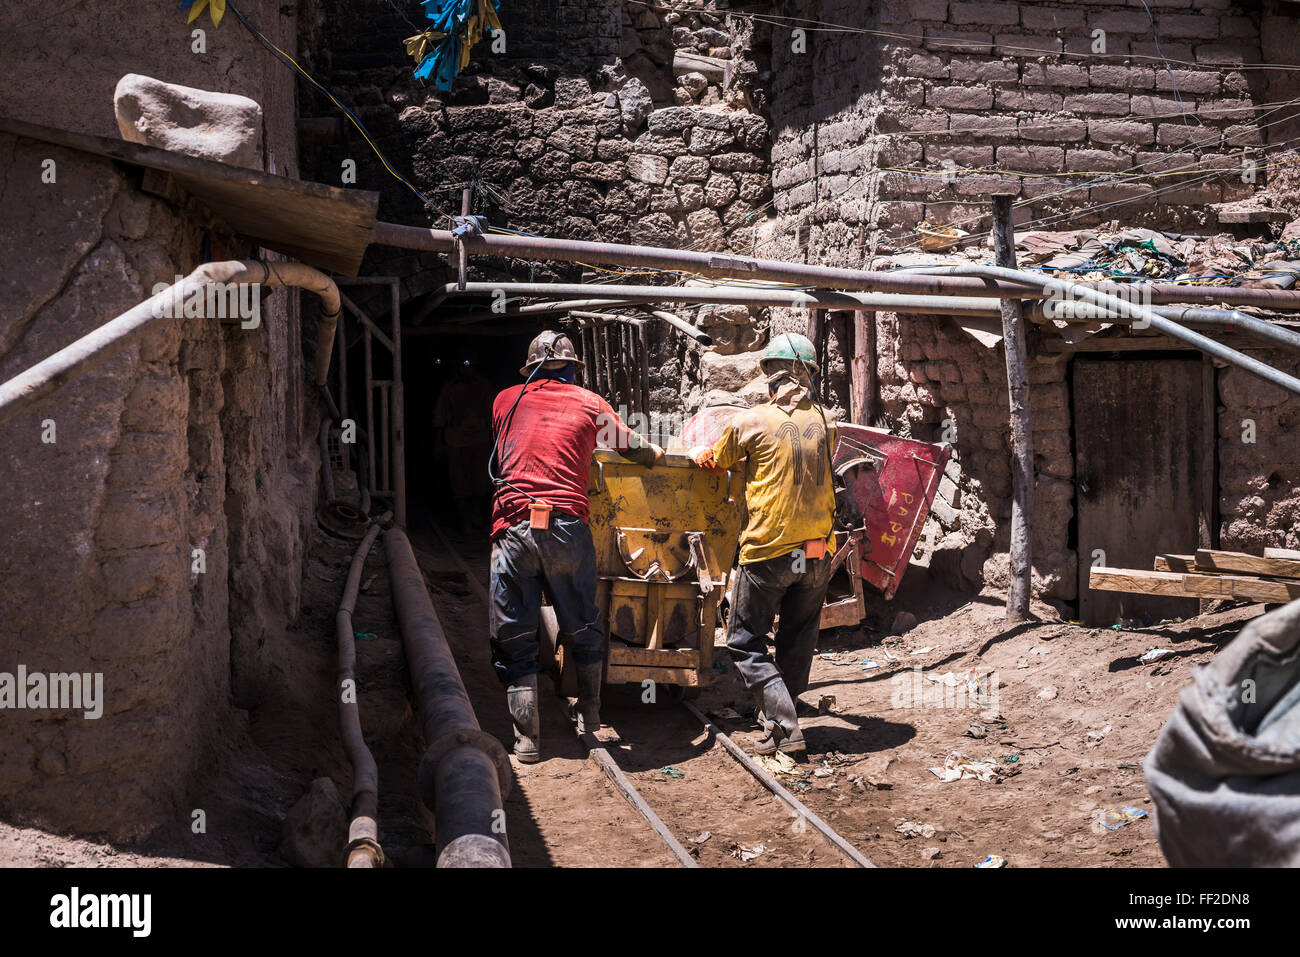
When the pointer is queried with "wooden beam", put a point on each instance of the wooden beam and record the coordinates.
(1022, 441)
(1178, 585)
(1208, 559)
(1175, 563)
(1287, 553)
(324, 226)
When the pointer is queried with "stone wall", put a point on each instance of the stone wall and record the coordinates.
(191, 438)
(591, 139)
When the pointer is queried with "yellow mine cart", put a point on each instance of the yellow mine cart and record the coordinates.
(665, 541)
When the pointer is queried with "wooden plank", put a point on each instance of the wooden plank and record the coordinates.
(1175, 563)
(1288, 553)
(634, 675)
(654, 658)
(1174, 584)
(1208, 559)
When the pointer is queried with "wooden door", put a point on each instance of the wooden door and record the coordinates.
(1144, 464)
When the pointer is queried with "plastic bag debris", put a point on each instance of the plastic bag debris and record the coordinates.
(959, 767)
(777, 763)
(701, 837)
(936, 237)
(993, 860)
(672, 772)
(868, 665)
(748, 853)
(1154, 654)
(1113, 818)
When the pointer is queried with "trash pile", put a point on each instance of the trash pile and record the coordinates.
(1114, 254)
(1146, 255)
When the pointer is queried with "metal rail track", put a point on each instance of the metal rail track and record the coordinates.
(605, 761)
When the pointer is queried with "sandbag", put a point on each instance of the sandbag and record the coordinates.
(1225, 771)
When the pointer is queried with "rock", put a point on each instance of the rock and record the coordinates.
(1048, 693)
(930, 853)
(693, 83)
(873, 771)
(635, 105)
(728, 373)
(316, 828)
(214, 126)
(647, 168)
(904, 622)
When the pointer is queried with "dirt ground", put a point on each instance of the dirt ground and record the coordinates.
(1073, 714)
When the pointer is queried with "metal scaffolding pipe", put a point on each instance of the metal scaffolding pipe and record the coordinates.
(108, 340)
(1229, 320)
(725, 266)
(1124, 308)
(1226, 319)
(464, 774)
(739, 295)
(681, 325)
(363, 848)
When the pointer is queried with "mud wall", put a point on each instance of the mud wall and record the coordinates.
(191, 439)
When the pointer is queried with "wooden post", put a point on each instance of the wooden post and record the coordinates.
(644, 344)
(816, 322)
(1022, 436)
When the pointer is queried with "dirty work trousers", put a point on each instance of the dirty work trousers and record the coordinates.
(762, 589)
(1225, 772)
(561, 560)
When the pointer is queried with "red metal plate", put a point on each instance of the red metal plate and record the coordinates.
(894, 497)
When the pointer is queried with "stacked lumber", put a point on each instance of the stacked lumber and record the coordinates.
(1274, 577)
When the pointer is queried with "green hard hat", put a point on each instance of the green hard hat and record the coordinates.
(792, 347)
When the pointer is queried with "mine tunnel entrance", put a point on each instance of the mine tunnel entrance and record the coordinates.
(451, 382)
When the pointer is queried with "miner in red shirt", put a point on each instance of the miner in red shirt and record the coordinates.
(545, 433)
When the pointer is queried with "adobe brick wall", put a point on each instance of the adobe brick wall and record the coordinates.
(995, 86)
(189, 438)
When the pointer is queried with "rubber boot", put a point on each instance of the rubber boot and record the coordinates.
(521, 697)
(590, 678)
(780, 723)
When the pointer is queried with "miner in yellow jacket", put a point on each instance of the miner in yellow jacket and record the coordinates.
(787, 543)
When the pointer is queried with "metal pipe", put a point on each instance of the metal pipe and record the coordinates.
(1227, 319)
(532, 309)
(112, 337)
(720, 265)
(1127, 309)
(464, 773)
(790, 298)
(363, 848)
(681, 325)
